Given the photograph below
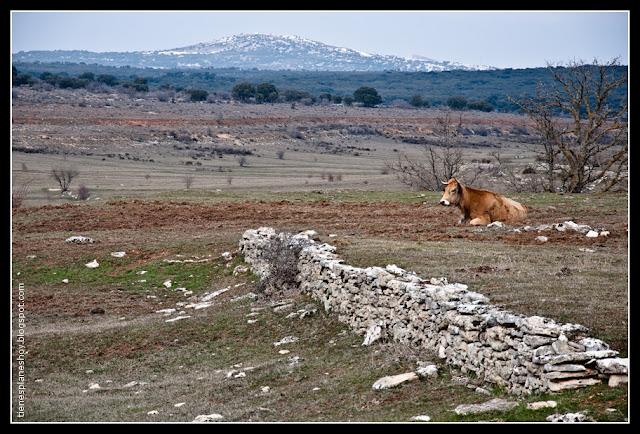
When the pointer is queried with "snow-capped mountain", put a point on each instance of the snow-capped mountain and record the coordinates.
(261, 51)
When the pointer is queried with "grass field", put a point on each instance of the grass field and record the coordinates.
(195, 360)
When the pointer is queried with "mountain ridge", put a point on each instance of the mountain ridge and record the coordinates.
(254, 50)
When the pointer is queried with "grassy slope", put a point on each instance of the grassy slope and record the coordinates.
(187, 361)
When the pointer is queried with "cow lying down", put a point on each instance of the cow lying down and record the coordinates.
(481, 207)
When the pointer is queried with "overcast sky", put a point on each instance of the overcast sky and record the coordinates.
(500, 39)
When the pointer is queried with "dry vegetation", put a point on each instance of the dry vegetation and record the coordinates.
(331, 178)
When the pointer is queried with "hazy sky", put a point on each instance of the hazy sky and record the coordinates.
(501, 39)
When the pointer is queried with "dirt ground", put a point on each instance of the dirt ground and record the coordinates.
(103, 327)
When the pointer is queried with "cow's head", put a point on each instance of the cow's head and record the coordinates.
(452, 192)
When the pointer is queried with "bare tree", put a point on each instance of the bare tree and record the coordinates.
(64, 176)
(19, 194)
(437, 163)
(584, 135)
(188, 181)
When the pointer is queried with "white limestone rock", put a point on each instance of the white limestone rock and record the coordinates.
(496, 404)
(214, 417)
(541, 404)
(394, 380)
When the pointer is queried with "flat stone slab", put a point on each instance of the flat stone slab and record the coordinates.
(572, 384)
(541, 404)
(394, 380)
(613, 366)
(617, 380)
(496, 404)
(208, 417)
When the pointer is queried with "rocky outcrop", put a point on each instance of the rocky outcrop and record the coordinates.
(525, 354)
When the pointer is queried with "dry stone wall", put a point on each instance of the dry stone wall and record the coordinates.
(525, 354)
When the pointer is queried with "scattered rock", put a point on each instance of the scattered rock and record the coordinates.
(97, 310)
(616, 380)
(427, 371)
(77, 239)
(141, 272)
(179, 404)
(605, 233)
(208, 417)
(178, 318)
(265, 389)
(542, 238)
(39, 380)
(282, 308)
(130, 384)
(332, 235)
(249, 295)
(541, 404)
(152, 412)
(240, 269)
(65, 280)
(285, 340)
(482, 391)
(118, 254)
(167, 283)
(168, 311)
(295, 360)
(592, 234)
(227, 256)
(569, 417)
(89, 371)
(496, 404)
(284, 352)
(94, 386)
(496, 224)
(394, 380)
(421, 418)
(252, 321)
(374, 332)
(586, 250)
(92, 264)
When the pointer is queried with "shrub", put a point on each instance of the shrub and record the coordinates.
(107, 79)
(243, 161)
(198, 95)
(243, 91)
(266, 92)
(457, 102)
(347, 100)
(482, 106)
(416, 101)
(368, 96)
(280, 154)
(282, 253)
(83, 192)
(295, 95)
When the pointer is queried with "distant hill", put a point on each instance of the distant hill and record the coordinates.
(246, 51)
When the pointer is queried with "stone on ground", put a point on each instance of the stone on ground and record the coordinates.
(394, 380)
(496, 404)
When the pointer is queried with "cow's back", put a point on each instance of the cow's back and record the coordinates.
(508, 210)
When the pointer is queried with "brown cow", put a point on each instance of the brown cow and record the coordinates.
(481, 207)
